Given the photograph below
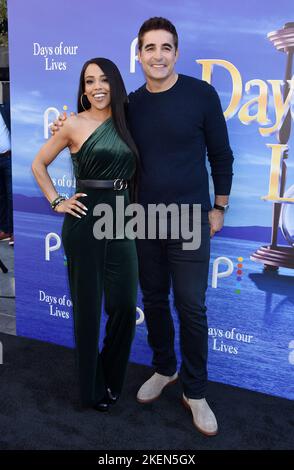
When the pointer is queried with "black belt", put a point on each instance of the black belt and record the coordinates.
(6, 154)
(117, 184)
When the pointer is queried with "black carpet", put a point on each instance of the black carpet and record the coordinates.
(39, 409)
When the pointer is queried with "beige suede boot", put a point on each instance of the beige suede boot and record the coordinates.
(203, 417)
(152, 389)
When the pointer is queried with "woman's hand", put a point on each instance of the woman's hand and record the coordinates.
(72, 206)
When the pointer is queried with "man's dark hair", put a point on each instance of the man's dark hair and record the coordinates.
(157, 22)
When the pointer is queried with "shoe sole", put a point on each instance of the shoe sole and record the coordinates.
(104, 410)
(139, 400)
(4, 239)
(209, 434)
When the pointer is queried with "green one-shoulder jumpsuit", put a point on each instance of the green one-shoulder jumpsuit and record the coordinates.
(101, 268)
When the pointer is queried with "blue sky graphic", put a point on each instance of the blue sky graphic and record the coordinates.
(236, 32)
(207, 30)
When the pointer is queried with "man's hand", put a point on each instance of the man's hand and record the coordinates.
(216, 220)
(59, 122)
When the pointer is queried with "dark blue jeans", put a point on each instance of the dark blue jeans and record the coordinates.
(6, 220)
(163, 263)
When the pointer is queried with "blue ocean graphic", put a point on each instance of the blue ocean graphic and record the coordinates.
(257, 357)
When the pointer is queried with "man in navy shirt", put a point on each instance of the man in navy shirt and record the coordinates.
(174, 120)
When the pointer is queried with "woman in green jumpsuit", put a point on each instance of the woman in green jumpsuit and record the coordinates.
(104, 162)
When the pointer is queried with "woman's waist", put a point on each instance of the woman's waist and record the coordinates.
(101, 195)
(112, 184)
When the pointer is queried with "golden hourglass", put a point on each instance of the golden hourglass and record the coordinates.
(274, 255)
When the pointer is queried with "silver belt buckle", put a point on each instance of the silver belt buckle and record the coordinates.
(120, 184)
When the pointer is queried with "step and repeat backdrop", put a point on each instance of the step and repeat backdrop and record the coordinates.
(244, 50)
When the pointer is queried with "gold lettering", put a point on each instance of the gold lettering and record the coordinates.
(281, 108)
(207, 69)
(260, 100)
(278, 151)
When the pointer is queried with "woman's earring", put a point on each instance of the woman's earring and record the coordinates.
(81, 101)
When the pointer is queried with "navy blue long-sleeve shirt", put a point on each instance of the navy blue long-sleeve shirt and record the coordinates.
(173, 130)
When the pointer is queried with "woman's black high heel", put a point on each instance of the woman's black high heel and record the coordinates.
(102, 405)
(113, 397)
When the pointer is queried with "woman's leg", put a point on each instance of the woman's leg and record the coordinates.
(85, 259)
(120, 288)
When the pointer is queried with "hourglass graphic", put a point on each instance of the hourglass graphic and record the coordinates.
(287, 218)
(274, 255)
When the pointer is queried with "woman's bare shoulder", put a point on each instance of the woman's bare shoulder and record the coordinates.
(72, 124)
(74, 121)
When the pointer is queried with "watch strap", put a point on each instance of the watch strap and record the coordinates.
(220, 208)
